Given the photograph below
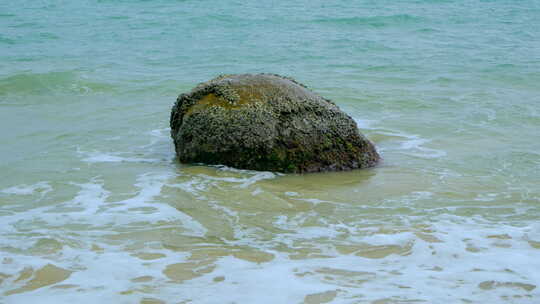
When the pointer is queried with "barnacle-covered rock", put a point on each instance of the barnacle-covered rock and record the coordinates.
(266, 122)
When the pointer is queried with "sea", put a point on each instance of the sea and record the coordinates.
(95, 207)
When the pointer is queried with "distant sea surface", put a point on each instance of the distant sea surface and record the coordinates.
(94, 207)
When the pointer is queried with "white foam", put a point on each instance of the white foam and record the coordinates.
(42, 187)
(243, 182)
(443, 268)
(486, 197)
(444, 258)
(365, 124)
(411, 144)
(160, 144)
(427, 273)
(195, 185)
(97, 275)
(90, 206)
(257, 191)
(314, 201)
(429, 270)
(114, 157)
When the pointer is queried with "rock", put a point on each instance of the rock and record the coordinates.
(266, 122)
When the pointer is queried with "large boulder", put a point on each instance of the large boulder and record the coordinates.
(266, 122)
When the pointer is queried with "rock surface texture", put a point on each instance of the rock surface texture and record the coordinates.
(266, 122)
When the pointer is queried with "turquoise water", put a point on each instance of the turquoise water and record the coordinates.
(94, 206)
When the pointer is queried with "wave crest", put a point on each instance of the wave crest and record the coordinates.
(67, 82)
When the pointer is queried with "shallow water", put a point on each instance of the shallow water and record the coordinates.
(94, 206)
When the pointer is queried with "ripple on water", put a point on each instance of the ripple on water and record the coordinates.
(181, 236)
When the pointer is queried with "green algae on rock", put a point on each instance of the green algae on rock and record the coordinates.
(266, 122)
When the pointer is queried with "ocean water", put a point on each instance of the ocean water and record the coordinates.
(94, 207)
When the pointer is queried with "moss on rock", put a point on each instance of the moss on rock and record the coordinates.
(266, 122)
